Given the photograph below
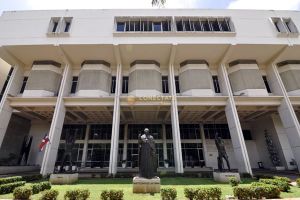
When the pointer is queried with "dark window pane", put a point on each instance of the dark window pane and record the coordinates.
(224, 25)
(267, 84)
(125, 84)
(137, 26)
(247, 135)
(74, 84)
(113, 85)
(187, 26)
(215, 25)
(197, 26)
(205, 25)
(179, 25)
(165, 85)
(216, 84)
(177, 84)
(157, 26)
(67, 27)
(120, 26)
(55, 24)
(23, 85)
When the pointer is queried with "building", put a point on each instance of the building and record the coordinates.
(185, 74)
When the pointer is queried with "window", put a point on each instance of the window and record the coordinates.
(267, 84)
(125, 85)
(247, 135)
(6, 82)
(203, 24)
(113, 85)
(78, 130)
(216, 84)
(177, 84)
(100, 132)
(23, 84)
(165, 85)
(74, 84)
(189, 131)
(66, 24)
(143, 24)
(211, 129)
(284, 25)
(54, 25)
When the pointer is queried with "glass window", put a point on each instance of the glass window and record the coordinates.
(24, 84)
(179, 25)
(177, 84)
(77, 129)
(120, 26)
(211, 129)
(267, 84)
(113, 85)
(165, 84)
(125, 84)
(189, 131)
(74, 84)
(157, 26)
(135, 129)
(100, 132)
(247, 135)
(216, 84)
(205, 24)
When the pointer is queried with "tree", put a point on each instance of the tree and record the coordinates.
(158, 2)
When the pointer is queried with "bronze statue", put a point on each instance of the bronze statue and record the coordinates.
(67, 155)
(25, 150)
(221, 152)
(147, 155)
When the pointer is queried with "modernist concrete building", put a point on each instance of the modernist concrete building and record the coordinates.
(185, 74)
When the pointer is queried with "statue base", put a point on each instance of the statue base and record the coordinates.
(224, 177)
(144, 185)
(278, 168)
(63, 179)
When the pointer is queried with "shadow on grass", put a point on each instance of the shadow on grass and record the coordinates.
(164, 181)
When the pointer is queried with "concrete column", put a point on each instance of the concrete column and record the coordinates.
(203, 143)
(13, 88)
(237, 138)
(113, 162)
(174, 117)
(164, 135)
(124, 157)
(286, 112)
(57, 123)
(85, 147)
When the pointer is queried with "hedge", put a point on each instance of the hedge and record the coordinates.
(78, 194)
(30, 178)
(257, 191)
(203, 193)
(9, 187)
(38, 187)
(112, 195)
(49, 195)
(168, 193)
(282, 185)
(10, 179)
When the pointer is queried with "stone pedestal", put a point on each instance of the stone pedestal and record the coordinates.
(144, 185)
(224, 177)
(279, 168)
(63, 179)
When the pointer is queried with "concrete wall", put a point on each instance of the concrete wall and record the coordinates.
(290, 76)
(17, 129)
(38, 130)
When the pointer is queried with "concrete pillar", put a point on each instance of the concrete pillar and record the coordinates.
(175, 120)
(286, 112)
(237, 138)
(113, 161)
(57, 123)
(164, 136)
(203, 143)
(124, 156)
(85, 146)
(13, 88)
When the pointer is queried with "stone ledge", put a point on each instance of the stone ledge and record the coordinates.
(224, 177)
(144, 185)
(63, 179)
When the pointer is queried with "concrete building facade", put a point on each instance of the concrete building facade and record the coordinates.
(105, 75)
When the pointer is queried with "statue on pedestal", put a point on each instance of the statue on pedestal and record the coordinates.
(147, 155)
(67, 155)
(221, 152)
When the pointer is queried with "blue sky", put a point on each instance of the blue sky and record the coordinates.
(104, 4)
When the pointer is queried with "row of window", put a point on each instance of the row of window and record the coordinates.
(143, 24)
(284, 25)
(60, 25)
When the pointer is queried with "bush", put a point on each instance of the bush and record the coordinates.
(105, 195)
(201, 194)
(282, 185)
(256, 190)
(49, 195)
(214, 192)
(189, 193)
(23, 192)
(284, 179)
(10, 179)
(29, 178)
(233, 182)
(36, 188)
(298, 182)
(9, 187)
(168, 193)
(116, 194)
(78, 194)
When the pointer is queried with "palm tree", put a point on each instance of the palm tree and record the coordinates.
(158, 2)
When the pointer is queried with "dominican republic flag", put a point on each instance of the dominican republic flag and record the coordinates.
(44, 142)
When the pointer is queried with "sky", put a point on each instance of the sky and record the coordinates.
(105, 4)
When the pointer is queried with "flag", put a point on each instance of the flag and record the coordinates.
(44, 142)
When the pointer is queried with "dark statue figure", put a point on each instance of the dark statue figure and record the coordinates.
(24, 153)
(221, 152)
(67, 155)
(147, 155)
(272, 150)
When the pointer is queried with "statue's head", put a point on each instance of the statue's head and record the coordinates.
(146, 130)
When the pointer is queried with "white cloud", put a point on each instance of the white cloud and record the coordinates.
(265, 4)
(105, 4)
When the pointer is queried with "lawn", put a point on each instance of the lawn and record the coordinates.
(97, 185)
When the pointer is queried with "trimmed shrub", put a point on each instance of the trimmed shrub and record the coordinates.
(49, 195)
(233, 182)
(214, 192)
(30, 178)
(116, 195)
(105, 195)
(9, 187)
(189, 193)
(257, 190)
(243, 192)
(10, 179)
(285, 179)
(78, 194)
(282, 185)
(46, 185)
(36, 188)
(23, 192)
(168, 193)
(201, 194)
(298, 182)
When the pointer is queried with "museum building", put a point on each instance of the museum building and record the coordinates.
(105, 75)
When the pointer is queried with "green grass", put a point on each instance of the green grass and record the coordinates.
(97, 185)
